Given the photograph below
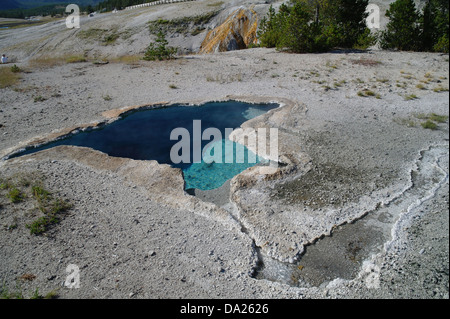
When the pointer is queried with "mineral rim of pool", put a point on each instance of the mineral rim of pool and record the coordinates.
(145, 135)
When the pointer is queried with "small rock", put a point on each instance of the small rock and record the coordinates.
(151, 253)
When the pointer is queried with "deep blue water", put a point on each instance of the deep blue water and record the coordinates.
(145, 135)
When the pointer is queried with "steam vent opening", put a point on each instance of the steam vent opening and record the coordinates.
(146, 135)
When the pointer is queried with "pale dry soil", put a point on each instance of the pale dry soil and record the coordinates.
(134, 232)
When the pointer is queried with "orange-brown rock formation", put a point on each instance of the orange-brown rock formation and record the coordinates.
(237, 32)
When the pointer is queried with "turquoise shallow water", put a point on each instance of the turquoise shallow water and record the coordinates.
(145, 135)
(210, 174)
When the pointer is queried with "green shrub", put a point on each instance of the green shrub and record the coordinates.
(159, 50)
(442, 45)
(110, 39)
(51, 211)
(15, 69)
(15, 195)
(40, 194)
(270, 32)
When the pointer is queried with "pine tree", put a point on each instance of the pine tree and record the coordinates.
(159, 50)
(402, 31)
(317, 25)
(351, 21)
(435, 26)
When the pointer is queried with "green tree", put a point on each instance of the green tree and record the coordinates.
(299, 34)
(159, 50)
(435, 26)
(351, 23)
(272, 26)
(402, 31)
(317, 25)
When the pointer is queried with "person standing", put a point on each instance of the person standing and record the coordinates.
(4, 59)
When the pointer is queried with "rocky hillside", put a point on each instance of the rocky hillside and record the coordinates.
(127, 32)
(196, 26)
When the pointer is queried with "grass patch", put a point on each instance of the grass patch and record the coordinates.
(127, 59)
(39, 99)
(21, 187)
(76, 59)
(51, 208)
(366, 93)
(92, 34)
(410, 97)
(50, 295)
(41, 224)
(45, 62)
(439, 89)
(420, 86)
(104, 36)
(408, 122)
(383, 80)
(216, 4)
(366, 62)
(15, 195)
(181, 25)
(429, 125)
(40, 194)
(438, 118)
(110, 39)
(408, 76)
(339, 84)
(5, 293)
(432, 117)
(431, 120)
(8, 77)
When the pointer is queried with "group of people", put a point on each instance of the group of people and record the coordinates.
(4, 59)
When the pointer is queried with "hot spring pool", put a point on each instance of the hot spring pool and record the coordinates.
(145, 135)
